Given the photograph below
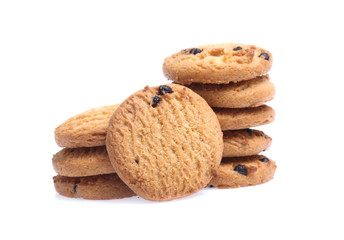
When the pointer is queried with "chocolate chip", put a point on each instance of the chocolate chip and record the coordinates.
(72, 150)
(137, 161)
(237, 48)
(155, 100)
(211, 186)
(195, 51)
(75, 189)
(264, 159)
(249, 131)
(165, 89)
(241, 169)
(265, 55)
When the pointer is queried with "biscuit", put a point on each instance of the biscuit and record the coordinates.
(217, 64)
(243, 171)
(165, 142)
(241, 118)
(79, 162)
(247, 142)
(87, 129)
(98, 187)
(249, 93)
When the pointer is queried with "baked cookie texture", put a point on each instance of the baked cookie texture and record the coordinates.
(165, 144)
(250, 93)
(79, 162)
(217, 64)
(87, 129)
(245, 142)
(100, 187)
(242, 118)
(243, 171)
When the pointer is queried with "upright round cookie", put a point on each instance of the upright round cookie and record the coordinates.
(164, 142)
(217, 64)
(87, 129)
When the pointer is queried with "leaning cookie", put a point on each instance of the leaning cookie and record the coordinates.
(165, 142)
(87, 129)
(242, 118)
(247, 142)
(243, 171)
(250, 93)
(79, 162)
(98, 187)
(217, 64)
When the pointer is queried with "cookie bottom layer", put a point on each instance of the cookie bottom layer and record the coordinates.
(99, 187)
(243, 171)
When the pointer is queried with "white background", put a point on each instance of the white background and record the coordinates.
(60, 58)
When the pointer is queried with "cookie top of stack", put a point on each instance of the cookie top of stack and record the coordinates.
(217, 64)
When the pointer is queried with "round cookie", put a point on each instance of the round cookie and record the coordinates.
(241, 118)
(243, 171)
(217, 64)
(247, 142)
(164, 142)
(99, 187)
(249, 93)
(79, 162)
(87, 129)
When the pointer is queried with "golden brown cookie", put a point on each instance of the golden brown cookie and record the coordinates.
(243, 171)
(164, 142)
(98, 187)
(217, 64)
(79, 162)
(246, 142)
(87, 129)
(249, 93)
(241, 118)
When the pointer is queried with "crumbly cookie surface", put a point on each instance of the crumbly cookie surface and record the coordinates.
(99, 187)
(217, 64)
(242, 118)
(249, 93)
(79, 162)
(246, 142)
(165, 144)
(87, 129)
(243, 171)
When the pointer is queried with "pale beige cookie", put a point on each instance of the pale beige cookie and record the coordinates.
(87, 129)
(241, 118)
(98, 187)
(246, 142)
(217, 64)
(79, 162)
(165, 142)
(249, 93)
(243, 171)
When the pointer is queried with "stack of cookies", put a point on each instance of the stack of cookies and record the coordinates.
(233, 79)
(83, 165)
(171, 141)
